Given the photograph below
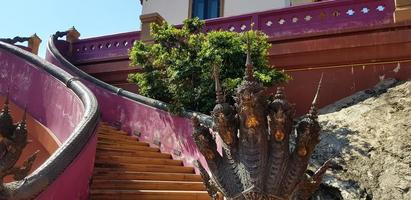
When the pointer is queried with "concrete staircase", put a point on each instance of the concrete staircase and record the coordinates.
(126, 168)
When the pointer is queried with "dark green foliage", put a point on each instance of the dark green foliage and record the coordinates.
(178, 66)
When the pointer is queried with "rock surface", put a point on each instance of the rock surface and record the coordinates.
(369, 137)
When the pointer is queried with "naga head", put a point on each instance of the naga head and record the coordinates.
(308, 132)
(281, 115)
(222, 121)
(223, 113)
(251, 100)
(308, 128)
(204, 140)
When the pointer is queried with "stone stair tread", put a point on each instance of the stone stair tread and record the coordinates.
(143, 154)
(147, 168)
(149, 194)
(106, 130)
(147, 191)
(148, 185)
(127, 148)
(104, 148)
(127, 175)
(133, 160)
(147, 181)
(133, 142)
(116, 138)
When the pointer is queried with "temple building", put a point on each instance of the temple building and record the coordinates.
(175, 11)
(99, 139)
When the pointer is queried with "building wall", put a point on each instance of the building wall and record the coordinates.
(173, 11)
(299, 2)
(238, 7)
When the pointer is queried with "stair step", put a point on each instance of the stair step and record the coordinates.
(116, 136)
(144, 154)
(134, 160)
(126, 168)
(119, 142)
(146, 168)
(116, 139)
(113, 133)
(149, 195)
(127, 148)
(147, 185)
(125, 175)
(110, 130)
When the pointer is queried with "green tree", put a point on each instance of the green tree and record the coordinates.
(178, 66)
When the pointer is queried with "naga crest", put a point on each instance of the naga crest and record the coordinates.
(258, 160)
(13, 139)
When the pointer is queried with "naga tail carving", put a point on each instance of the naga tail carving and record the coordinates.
(211, 185)
(256, 161)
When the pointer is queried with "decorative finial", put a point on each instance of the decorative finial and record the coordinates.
(313, 109)
(72, 35)
(218, 90)
(249, 73)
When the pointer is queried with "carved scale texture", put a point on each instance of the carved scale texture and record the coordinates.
(253, 141)
(281, 118)
(306, 133)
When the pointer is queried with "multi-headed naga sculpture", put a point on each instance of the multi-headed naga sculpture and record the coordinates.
(257, 160)
(13, 139)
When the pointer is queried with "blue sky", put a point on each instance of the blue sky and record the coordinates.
(90, 17)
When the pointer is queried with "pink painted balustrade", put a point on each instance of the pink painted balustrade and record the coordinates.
(314, 18)
(103, 48)
(291, 22)
(68, 110)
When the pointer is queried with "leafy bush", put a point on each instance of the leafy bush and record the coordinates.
(178, 66)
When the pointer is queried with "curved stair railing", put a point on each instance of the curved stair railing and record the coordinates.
(67, 108)
(147, 118)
